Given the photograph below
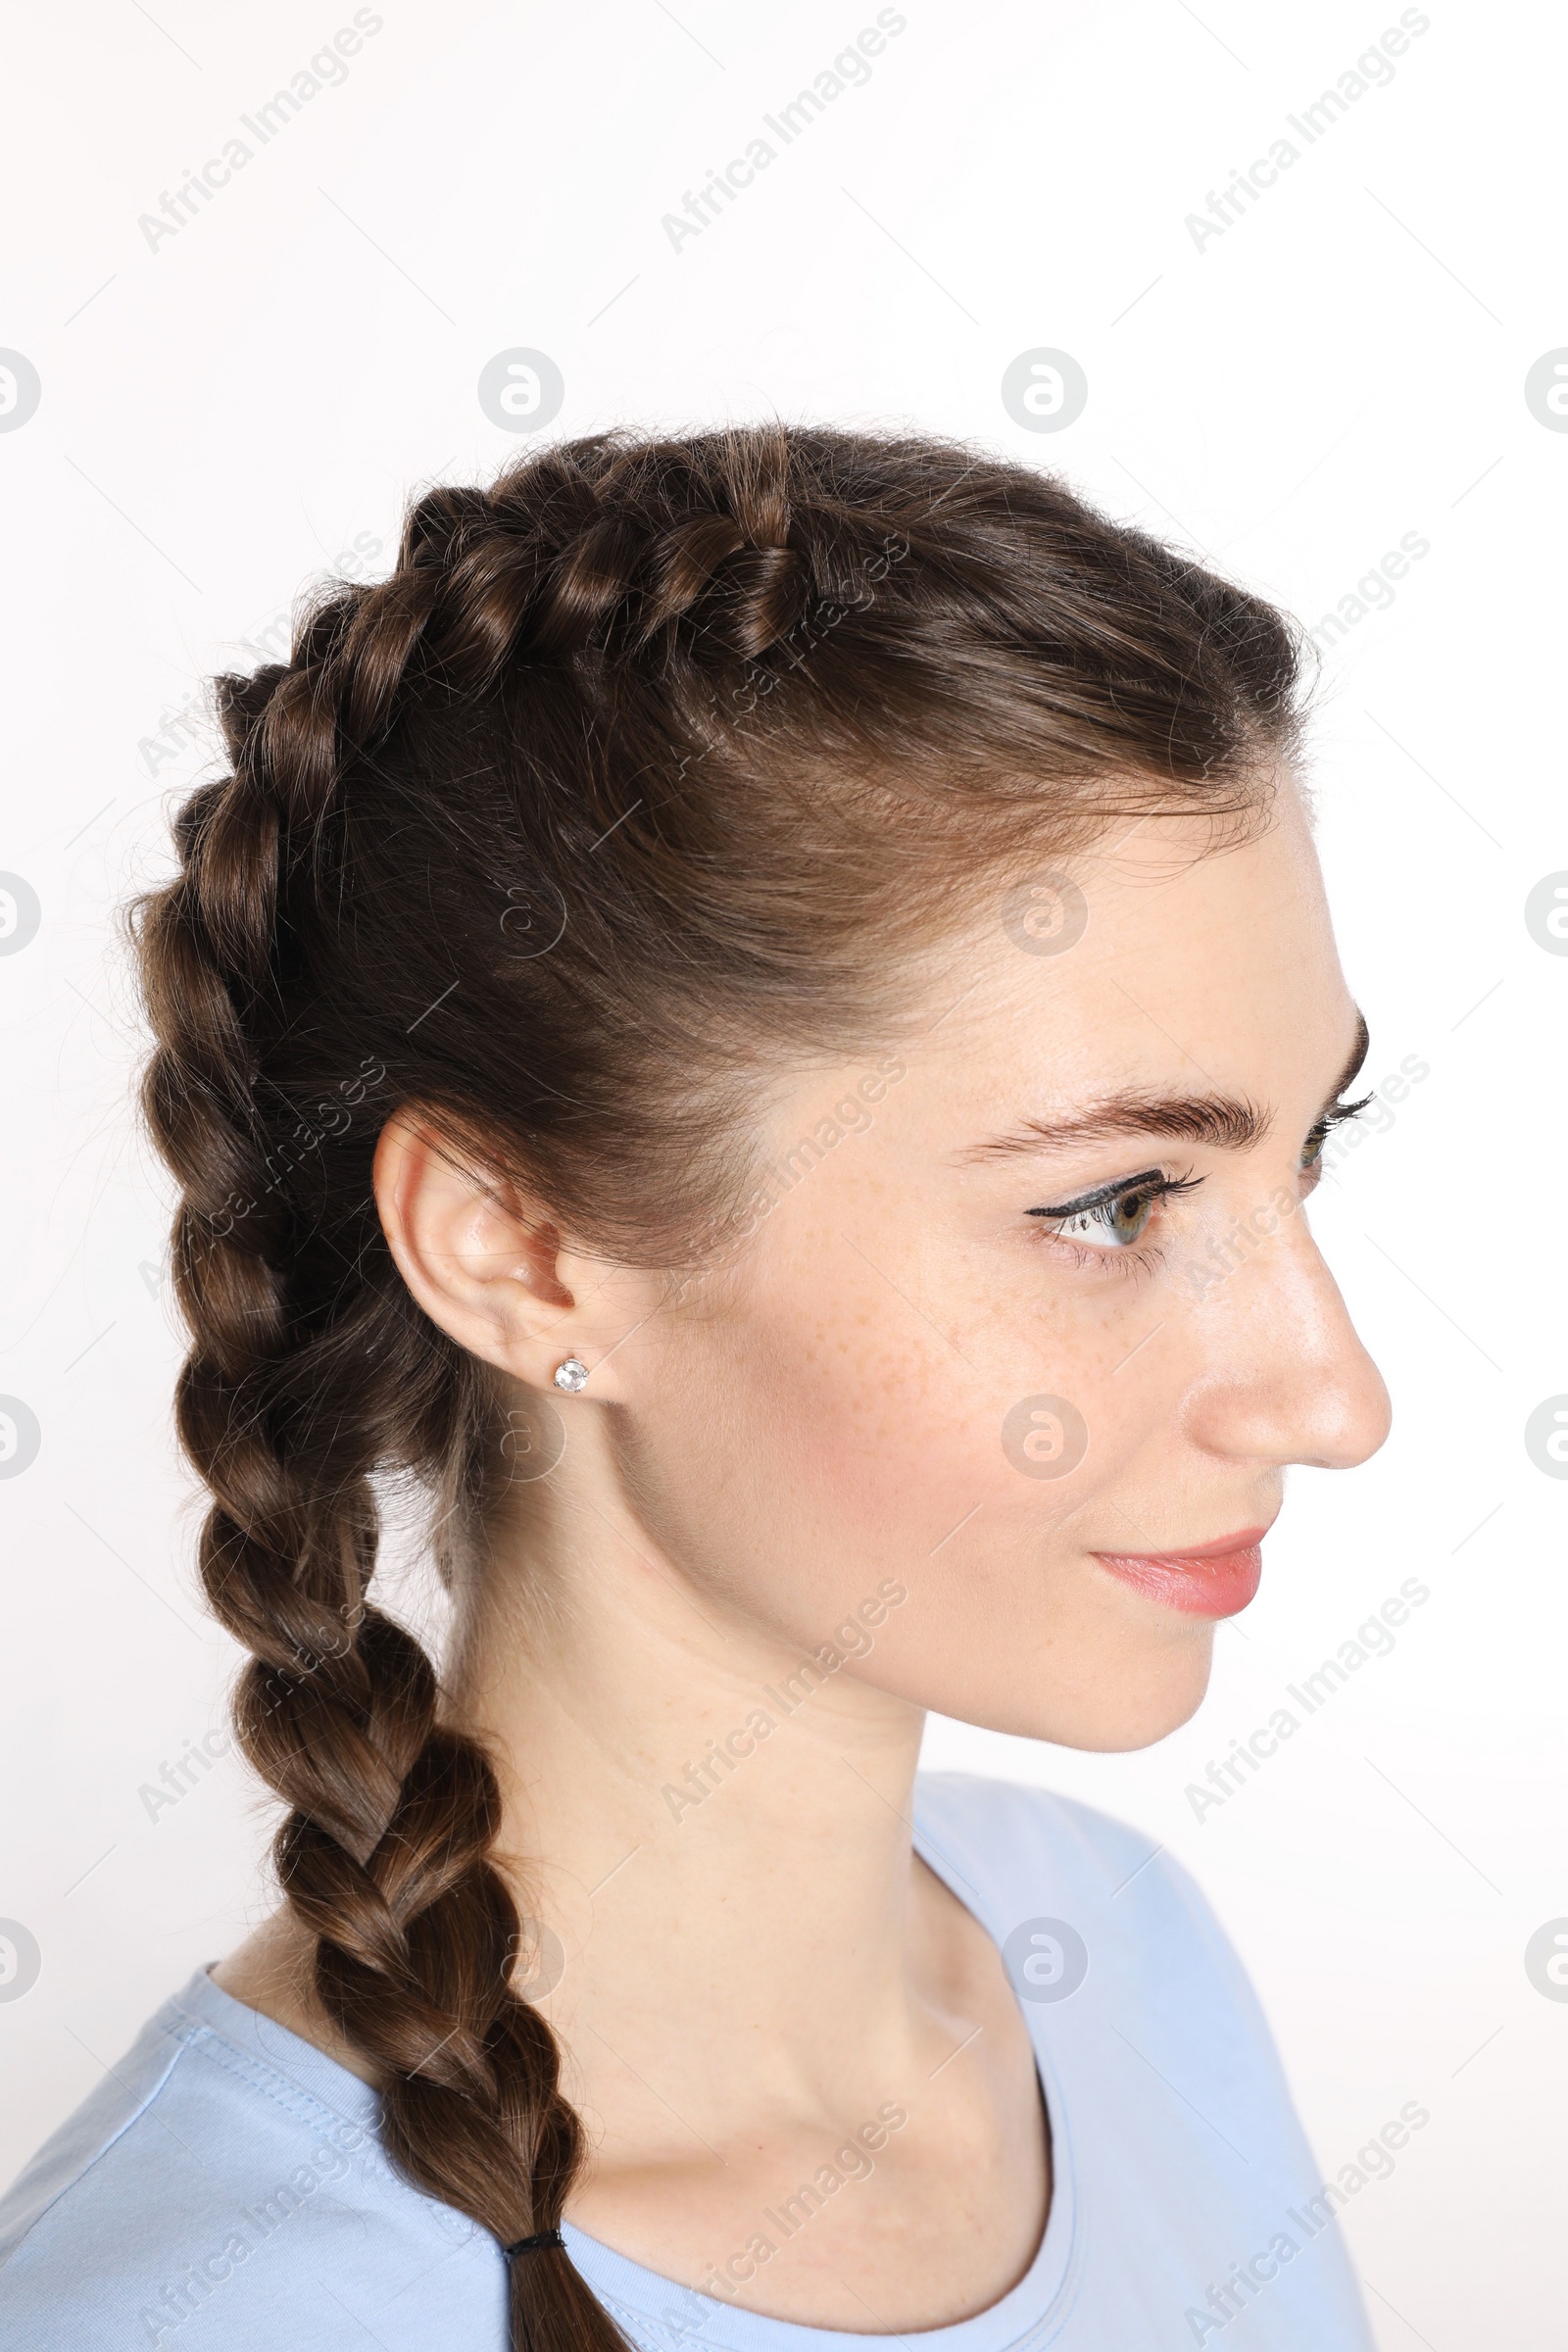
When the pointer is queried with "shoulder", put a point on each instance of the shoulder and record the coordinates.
(1033, 1860)
(1116, 1956)
(201, 2197)
(1173, 2130)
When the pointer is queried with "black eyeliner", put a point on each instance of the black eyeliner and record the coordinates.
(1150, 1179)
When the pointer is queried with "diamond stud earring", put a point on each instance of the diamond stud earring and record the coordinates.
(571, 1375)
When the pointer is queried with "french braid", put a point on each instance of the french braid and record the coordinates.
(614, 774)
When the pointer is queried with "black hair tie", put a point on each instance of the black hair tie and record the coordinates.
(531, 2245)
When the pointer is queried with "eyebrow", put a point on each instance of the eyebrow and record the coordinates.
(1225, 1122)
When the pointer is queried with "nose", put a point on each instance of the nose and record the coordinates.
(1285, 1377)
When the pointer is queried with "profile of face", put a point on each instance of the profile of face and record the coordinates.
(1022, 1303)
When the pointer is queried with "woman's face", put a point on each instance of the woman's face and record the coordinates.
(1030, 1303)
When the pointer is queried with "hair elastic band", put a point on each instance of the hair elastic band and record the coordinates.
(531, 2245)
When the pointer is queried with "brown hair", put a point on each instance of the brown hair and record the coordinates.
(638, 768)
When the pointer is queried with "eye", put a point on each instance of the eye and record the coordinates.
(1117, 1216)
(1318, 1133)
(1120, 1221)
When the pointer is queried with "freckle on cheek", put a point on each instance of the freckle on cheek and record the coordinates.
(879, 1433)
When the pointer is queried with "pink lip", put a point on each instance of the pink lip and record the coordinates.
(1205, 1580)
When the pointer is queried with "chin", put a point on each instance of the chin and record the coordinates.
(1112, 1711)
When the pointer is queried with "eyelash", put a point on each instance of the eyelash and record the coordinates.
(1335, 1116)
(1154, 1185)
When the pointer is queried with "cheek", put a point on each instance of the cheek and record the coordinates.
(878, 1421)
(825, 1434)
(979, 1481)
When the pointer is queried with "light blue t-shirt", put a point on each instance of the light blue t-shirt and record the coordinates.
(224, 2189)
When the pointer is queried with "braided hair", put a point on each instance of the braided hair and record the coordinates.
(637, 761)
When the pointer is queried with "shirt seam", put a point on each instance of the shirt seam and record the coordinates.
(188, 2037)
(303, 2106)
(81, 2174)
(641, 2325)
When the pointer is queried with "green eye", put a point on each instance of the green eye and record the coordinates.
(1116, 1218)
(1121, 1221)
(1312, 1149)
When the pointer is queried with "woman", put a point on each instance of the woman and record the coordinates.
(751, 1027)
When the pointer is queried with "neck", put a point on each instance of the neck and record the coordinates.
(689, 1796)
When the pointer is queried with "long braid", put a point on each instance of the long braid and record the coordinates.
(383, 1853)
(610, 591)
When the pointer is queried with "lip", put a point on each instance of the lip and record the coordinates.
(1203, 1580)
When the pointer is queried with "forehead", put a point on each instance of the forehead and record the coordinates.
(1155, 959)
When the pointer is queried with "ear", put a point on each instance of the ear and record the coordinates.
(491, 1269)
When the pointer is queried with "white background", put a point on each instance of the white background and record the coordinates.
(223, 414)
